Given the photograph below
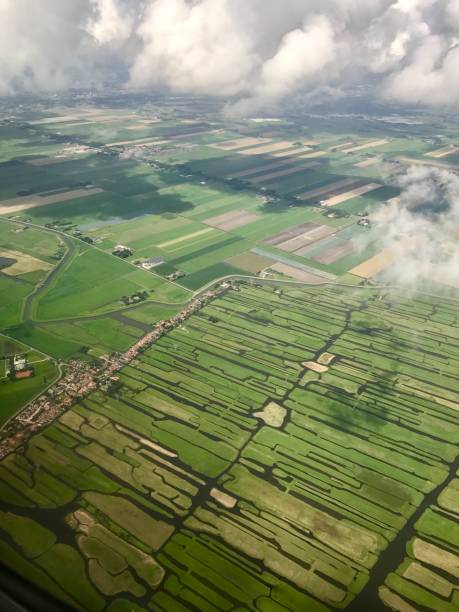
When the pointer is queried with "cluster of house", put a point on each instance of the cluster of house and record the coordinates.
(81, 378)
(173, 276)
(120, 250)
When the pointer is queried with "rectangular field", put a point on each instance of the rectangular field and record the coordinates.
(269, 148)
(8, 207)
(443, 152)
(428, 575)
(365, 163)
(292, 232)
(239, 143)
(367, 145)
(329, 188)
(292, 152)
(251, 262)
(232, 220)
(303, 241)
(265, 178)
(258, 169)
(138, 141)
(351, 194)
(375, 264)
(386, 257)
(335, 253)
(297, 274)
(298, 238)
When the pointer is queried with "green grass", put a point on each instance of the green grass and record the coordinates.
(211, 273)
(39, 244)
(15, 393)
(316, 500)
(95, 282)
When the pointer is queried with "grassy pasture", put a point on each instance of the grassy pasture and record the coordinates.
(428, 575)
(94, 282)
(14, 394)
(317, 498)
(122, 481)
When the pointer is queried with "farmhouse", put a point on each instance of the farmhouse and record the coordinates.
(19, 367)
(148, 264)
(122, 251)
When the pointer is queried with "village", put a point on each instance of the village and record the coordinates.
(81, 378)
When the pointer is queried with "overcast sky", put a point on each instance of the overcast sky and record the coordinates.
(255, 52)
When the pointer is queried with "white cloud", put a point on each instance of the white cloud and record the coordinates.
(254, 51)
(430, 77)
(421, 226)
(111, 23)
(193, 48)
(302, 55)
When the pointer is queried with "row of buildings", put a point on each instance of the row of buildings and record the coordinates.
(80, 378)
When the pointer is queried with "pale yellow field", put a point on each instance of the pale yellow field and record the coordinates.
(299, 243)
(25, 263)
(312, 155)
(367, 145)
(139, 126)
(273, 414)
(137, 141)
(443, 152)
(169, 243)
(436, 557)
(269, 148)
(293, 152)
(425, 162)
(78, 123)
(8, 207)
(375, 264)
(387, 256)
(297, 274)
(239, 143)
(394, 601)
(428, 579)
(315, 367)
(87, 115)
(67, 153)
(371, 161)
(341, 146)
(51, 120)
(223, 498)
(329, 188)
(353, 193)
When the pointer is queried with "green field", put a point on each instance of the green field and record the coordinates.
(285, 449)
(262, 456)
(427, 576)
(14, 394)
(70, 309)
(169, 193)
